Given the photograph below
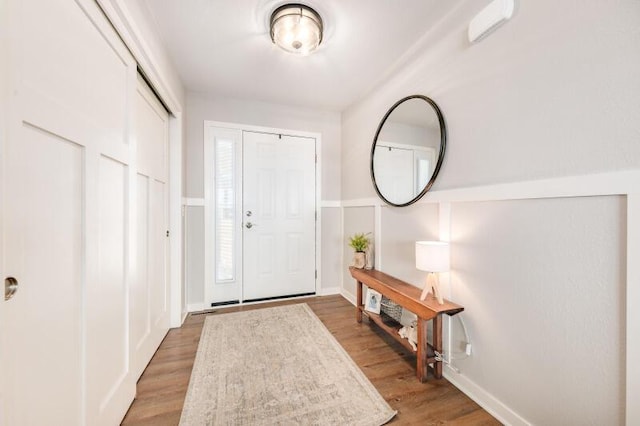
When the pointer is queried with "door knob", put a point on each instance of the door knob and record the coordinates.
(249, 213)
(10, 287)
(250, 225)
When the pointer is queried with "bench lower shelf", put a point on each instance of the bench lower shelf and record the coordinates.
(392, 330)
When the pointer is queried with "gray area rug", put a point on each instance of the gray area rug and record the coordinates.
(277, 366)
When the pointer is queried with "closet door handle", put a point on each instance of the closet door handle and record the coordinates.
(10, 287)
(250, 225)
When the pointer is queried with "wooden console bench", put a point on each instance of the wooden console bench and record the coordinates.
(407, 296)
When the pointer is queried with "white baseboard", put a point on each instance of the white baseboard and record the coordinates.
(329, 291)
(487, 401)
(350, 297)
(197, 307)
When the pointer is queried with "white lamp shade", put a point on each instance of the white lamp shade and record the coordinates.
(432, 256)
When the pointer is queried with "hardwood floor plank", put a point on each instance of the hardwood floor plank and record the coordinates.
(390, 367)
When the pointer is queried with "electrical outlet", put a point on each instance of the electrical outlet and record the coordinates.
(467, 349)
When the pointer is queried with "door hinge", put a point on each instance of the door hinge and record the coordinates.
(316, 215)
(316, 158)
(167, 233)
(316, 274)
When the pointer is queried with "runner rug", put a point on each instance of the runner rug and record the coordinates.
(277, 366)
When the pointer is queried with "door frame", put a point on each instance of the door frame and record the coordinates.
(209, 198)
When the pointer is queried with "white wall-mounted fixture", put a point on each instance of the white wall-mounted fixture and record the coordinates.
(296, 28)
(432, 256)
(491, 17)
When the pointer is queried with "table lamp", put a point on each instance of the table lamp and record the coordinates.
(433, 257)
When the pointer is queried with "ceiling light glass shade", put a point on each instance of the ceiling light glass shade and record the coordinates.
(296, 28)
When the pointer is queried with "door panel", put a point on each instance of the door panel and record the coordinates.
(157, 259)
(106, 296)
(68, 174)
(63, 57)
(43, 226)
(148, 309)
(279, 191)
(140, 321)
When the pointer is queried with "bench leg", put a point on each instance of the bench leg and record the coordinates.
(437, 345)
(358, 301)
(421, 354)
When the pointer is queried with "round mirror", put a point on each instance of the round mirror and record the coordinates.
(407, 150)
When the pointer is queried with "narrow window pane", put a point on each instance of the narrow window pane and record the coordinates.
(225, 210)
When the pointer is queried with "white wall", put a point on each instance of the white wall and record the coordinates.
(543, 286)
(552, 93)
(356, 220)
(327, 123)
(201, 107)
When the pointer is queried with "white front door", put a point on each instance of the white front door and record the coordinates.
(279, 211)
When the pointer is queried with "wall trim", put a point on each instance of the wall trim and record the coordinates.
(193, 202)
(329, 291)
(264, 129)
(632, 411)
(197, 307)
(487, 401)
(350, 297)
(600, 184)
(199, 202)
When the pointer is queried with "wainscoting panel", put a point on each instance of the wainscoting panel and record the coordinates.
(544, 284)
(355, 220)
(591, 223)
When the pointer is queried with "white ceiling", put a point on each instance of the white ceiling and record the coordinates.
(222, 47)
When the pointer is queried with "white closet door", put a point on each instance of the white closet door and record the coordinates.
(66, 216)
(279, 208)
(148, 307)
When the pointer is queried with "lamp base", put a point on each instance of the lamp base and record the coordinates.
(433, 285)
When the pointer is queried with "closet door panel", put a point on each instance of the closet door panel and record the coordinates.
(107, 294)
(148, 311)
(44, 252)
(140, 318)
(157, 258)
(65, 56)
(72, 83)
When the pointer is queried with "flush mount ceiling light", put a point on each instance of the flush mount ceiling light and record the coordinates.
(296, 28)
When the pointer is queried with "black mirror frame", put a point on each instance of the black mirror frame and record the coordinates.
(443, 145)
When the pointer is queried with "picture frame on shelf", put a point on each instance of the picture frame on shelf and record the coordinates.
(373, 301)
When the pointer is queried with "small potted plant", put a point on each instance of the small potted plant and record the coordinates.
(359, 243)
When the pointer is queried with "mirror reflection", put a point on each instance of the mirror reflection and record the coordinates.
(408, 150)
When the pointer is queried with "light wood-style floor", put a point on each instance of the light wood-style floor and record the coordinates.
(391, 369)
